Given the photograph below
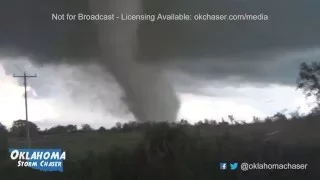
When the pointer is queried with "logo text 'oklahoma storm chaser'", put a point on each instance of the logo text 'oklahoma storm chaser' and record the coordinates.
(40, 159)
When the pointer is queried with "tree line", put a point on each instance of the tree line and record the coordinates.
(19, 129)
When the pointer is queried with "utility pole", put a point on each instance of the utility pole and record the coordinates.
(25, 76)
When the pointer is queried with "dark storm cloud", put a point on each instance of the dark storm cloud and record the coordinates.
(280, 67)
(213, 49)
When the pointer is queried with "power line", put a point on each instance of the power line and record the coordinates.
(17, 67)
(25, 76)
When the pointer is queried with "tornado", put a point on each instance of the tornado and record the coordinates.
(147, 93)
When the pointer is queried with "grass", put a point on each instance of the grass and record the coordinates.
(193, 152)
(78, 144)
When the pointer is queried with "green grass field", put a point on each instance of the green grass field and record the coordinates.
(78, 144)
(170, 153)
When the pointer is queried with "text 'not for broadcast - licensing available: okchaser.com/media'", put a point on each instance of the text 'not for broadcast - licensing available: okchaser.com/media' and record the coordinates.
(159, 17)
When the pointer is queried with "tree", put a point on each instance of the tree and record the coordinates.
(279, 117)
(213, 122)
(315, 111)
(199, 123)
(71, 128)
(3, 128)
(19, 128)
(231, 118)
(268, 120)
(3, 141)
(308, 80)
(57, 130)
(184, 122)
(256, 119)
(62, 129)
(118, 125)
(86, 128)
(223, 123)
(295, 115)
(101, 129)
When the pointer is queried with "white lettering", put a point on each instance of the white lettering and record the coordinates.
(21, 156)
(39, 155)
(14, 154)
(46, 155)
(55, 155)
(50, 164)
(63, 155)
(58, 17)
(27, 164)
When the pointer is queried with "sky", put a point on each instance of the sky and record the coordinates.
(217, 68)
(65, 99)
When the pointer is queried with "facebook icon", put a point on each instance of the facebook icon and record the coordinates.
(223, 166)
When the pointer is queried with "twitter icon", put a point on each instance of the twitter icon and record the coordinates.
(233, 166)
